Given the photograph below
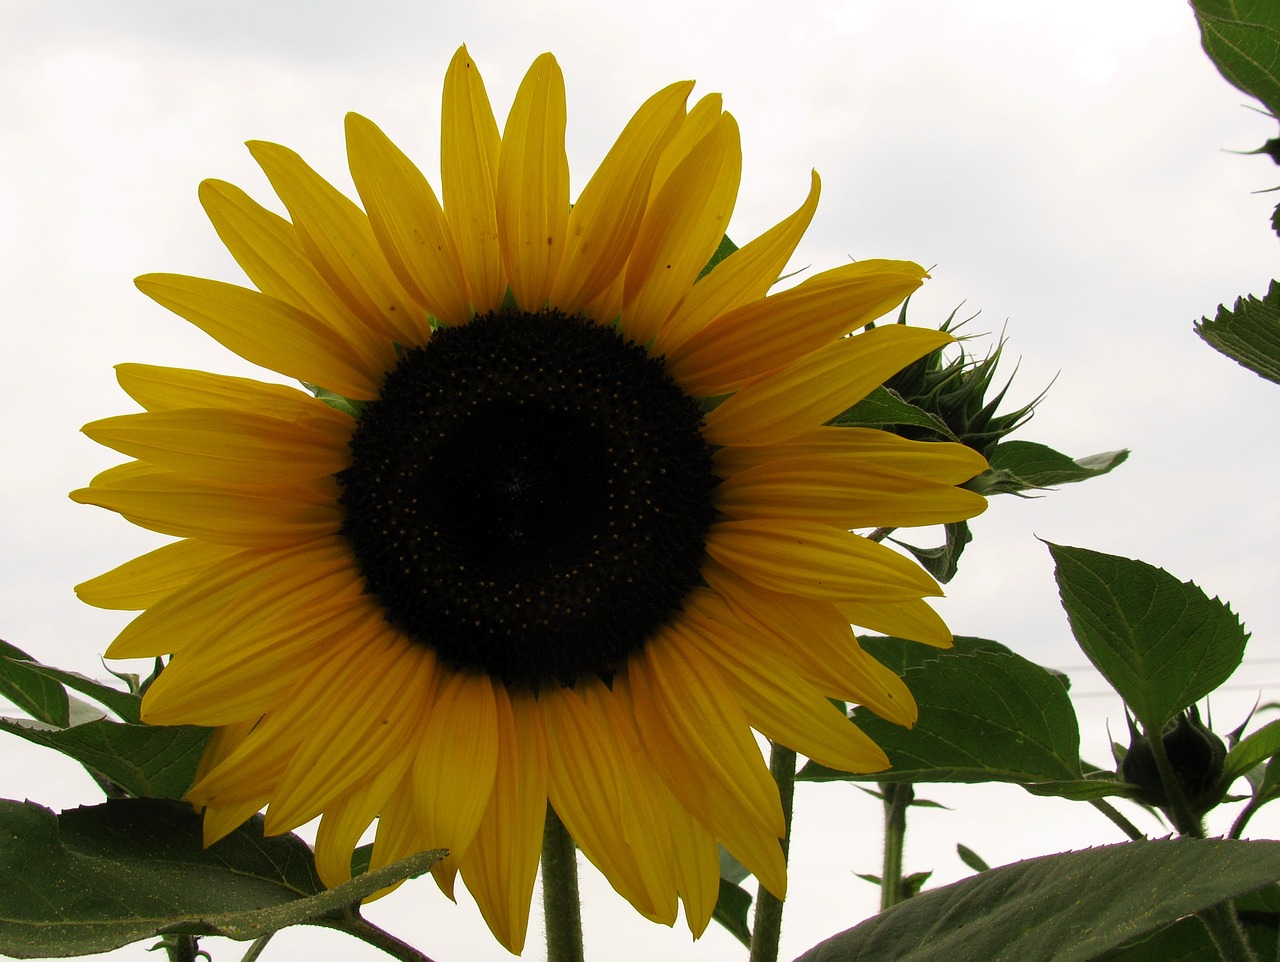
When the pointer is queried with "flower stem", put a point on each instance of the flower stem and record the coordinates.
(1109, 810)
(897, 796)
(561, 906)
(1228, 937)
(766, 930)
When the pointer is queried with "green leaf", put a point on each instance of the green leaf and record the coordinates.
(884, 408)
(126, 705)
(986, 715)
(1249, 333)
(942, 561)
(1187, 940)
(1252, 751)
(1061, 908)
(1243, 41)
(94, 879)
(732, 909)
(1161, 643)
(1018, 466)
(33, 692)
(143, 760)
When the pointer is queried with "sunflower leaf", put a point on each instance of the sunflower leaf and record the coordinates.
(1249, 333)
(1018, 466)
(1161, 643)
(127, 705)
(33, 692)
(93, 879)
(732, 909)
(986, 715)
(141, 760)
(1032, 910)
(1243, 41)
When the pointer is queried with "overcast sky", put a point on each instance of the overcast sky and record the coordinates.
(1060, 167)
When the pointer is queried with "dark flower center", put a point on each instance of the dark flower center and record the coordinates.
(529, 497)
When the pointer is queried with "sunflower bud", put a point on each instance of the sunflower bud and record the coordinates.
(954, 391)
(1196, 756)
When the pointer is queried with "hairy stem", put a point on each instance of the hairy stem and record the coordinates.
(1224, 928)
(897, 796)
(1109, 810)
(561, 906)
(766, 930)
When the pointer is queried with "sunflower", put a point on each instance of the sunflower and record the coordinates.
(561, 520)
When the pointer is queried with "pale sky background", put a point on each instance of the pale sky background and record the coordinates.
(1061, 167)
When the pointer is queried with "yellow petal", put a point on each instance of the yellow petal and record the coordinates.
(532, 187)
(784, 707)
(366, 724)
(818, 386)
(699, 741)
(834, 492)
(682, 228)
(267, 332)
(345, 821)
(173, 388)
(236, 446)
(604, 222)
(151, 577)
(816, 561)
(815, 638)
(223, 513)
(942, 461)
(593, 788)
(337, 239)
(742, 277)
(454, 772)
(501, 864)
(408, 222)
(469, 145)
(760, 337)
(242, 591)
(913, 620)
(698, 124)
(266, 246)
(252, 671)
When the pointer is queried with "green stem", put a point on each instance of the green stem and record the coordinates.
(256, 948)
(897, 796)
(353, 923)
(561, 906)
(1237, 827)
(183, 948)
(1224, 929)
(1109, 810)
(766, 930)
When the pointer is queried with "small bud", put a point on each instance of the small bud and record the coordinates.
(1196, 756)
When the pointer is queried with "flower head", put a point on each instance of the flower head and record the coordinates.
(561, 524)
